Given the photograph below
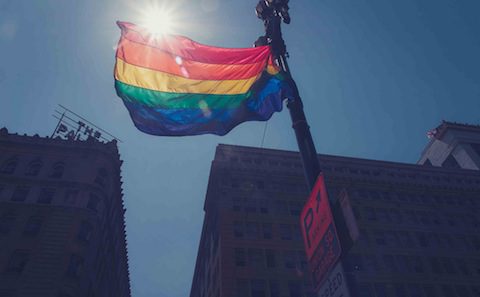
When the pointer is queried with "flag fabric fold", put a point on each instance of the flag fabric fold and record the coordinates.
(173, 86)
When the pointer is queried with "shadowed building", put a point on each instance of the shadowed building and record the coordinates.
(62, 230)
(419, 227)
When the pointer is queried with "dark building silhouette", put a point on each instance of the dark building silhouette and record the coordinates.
(419, 226)
(62, 231)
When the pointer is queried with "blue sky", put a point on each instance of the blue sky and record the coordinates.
(374, 77)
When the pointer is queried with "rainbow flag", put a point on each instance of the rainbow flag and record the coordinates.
(173, 86)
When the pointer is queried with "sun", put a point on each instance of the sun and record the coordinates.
(158, 20)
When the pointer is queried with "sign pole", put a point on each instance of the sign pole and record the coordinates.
(272, 13)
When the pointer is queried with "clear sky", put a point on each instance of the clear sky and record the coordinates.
(374, 77)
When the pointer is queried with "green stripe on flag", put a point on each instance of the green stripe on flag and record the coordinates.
(158, 99)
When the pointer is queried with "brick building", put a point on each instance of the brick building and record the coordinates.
(419, 226)
(62, 231)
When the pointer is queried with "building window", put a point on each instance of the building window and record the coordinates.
(463, 267)
(75, 266)
(6, 223)
(238, 231)
(462, 291)
(424, 217)
(34, 167)
(101, 178)
(20, 193)
(395, 215)
(436, 218)
(281, 207)
(448, 290)
(234, 184)
(422, 239)
(270, 258)
(251, 205)
(371, 263)
(263, 206)
(295, 208)
(93, 202)
(240, 258)
(57, 170)
(463, 242)
(392, 238)
(415, 290)
(402, 263)
(33, 226)
(255, 258)
(370, 214)
(46, 196)
(450, 242)
(415, 264)
(380, 238)
(302, 259)
(430, 291)
(267, 230)
(383, 215)
(296, 232)
(400, 290)
(85, 232)
(411, 217)
(260, 184)
(252, 230)
(9, 166)
(285, 232)
(406, 239)
(364, 238)
(435, 265)
(389, 263)
(237, 203)
(274, 288)
(289, 259)
(17, 262)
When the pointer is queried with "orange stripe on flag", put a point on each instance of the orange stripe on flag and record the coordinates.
(155, 59)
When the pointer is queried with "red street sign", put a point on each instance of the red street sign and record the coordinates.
(319, 234)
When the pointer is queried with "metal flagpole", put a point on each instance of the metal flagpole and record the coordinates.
(272, 13)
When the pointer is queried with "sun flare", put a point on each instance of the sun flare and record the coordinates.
(158, 20)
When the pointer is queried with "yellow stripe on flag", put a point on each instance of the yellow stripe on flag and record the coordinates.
(163, 82)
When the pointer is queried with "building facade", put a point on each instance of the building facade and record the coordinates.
(62, 231)
(419, 227)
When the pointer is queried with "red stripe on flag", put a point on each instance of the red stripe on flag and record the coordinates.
(188, 49)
